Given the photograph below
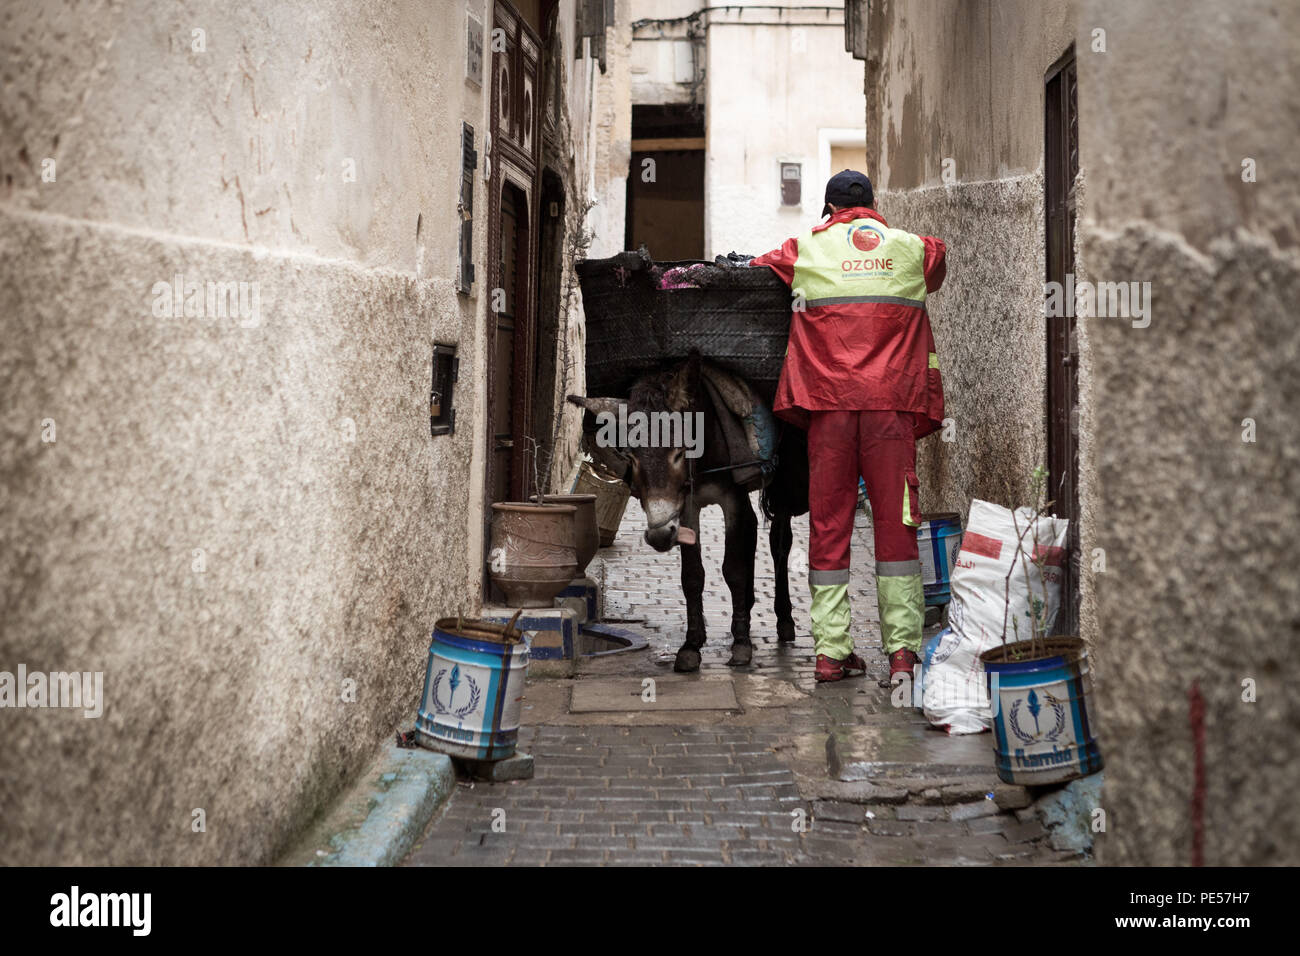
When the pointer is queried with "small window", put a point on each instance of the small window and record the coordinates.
(446, 369)
(791, 183)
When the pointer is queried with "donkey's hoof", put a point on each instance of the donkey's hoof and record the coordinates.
(688, 661)
(785, 632)
(741, 654)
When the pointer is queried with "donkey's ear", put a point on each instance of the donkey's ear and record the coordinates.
(685, 383)
(597, 405)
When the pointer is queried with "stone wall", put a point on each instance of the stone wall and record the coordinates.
(1186, 527)
(955, 146)
(1198, 524)
(242, 521)
(989, 330)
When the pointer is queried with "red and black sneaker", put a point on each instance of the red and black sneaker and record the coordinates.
(901, 662)
(829, 669)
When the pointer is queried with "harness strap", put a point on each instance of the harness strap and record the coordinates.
(762, 462)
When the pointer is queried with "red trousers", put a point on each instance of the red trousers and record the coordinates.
(881, 447)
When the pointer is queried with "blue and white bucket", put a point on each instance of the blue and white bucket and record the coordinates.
(938, 540)
(1042, 711)
(473, 687)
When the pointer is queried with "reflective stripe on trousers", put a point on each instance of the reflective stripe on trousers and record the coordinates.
(880, 446)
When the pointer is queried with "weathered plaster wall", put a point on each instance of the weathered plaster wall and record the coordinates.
(591, 152)
(958, 87)
(599, 119)
(665, 62)
(989, 330)
(610, 139)
(233, 519)
(802, 81)
(948, 79)
(1198, 526)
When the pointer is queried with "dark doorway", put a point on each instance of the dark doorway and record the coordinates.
(511, 333)
(512, 256)
(665, 184)
(550, 325)
(1061, 166)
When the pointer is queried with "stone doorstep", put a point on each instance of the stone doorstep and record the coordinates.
(380, 818)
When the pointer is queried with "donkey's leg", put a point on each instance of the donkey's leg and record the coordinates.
(738, 571)
(688, 655)
(781, 538)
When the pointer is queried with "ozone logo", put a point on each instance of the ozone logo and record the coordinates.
(865, 238)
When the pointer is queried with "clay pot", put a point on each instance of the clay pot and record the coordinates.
(586, 536)
(533, 555)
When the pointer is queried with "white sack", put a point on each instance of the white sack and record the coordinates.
(954, 695)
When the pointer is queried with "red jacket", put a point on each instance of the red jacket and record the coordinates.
(859, 333)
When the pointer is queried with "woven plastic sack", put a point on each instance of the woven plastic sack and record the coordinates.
(954, 696)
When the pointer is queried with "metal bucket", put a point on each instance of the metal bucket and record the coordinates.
(1042, 712)
(611, 500)
(938, 539)
(472, 690)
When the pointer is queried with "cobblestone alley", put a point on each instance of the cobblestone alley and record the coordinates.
(871, 783)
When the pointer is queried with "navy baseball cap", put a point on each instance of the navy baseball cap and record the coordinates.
(848, 188)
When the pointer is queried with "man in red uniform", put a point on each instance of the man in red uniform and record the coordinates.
(861, 375)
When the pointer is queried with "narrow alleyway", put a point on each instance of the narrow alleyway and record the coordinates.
(875, 785)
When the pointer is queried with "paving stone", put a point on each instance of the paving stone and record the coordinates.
(862, 792)
(569, 857)
(1023, 832)
(822, 828)
(967, 791)
(891, 828)
(635, 858)
(656, 841)
(1011, 797)
(694, 858)
(516, 767)
(994, 824)
(971, 811)
(590, 841)
(546, 841)
(908, 812)
(840, 812)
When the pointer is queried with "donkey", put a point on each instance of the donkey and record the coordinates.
(672, 489)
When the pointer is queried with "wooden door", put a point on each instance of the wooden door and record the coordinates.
(512, 258)
(1061, 166)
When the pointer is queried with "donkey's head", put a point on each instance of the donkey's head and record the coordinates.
(661, 404)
